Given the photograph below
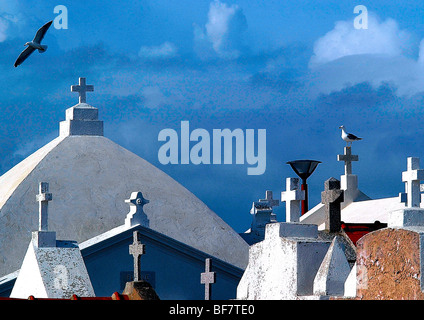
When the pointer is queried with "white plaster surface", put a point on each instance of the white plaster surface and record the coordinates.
(53, 272)
(282, 268)
(367, 211)
(406, 217)
(350, 284)
(333, 272)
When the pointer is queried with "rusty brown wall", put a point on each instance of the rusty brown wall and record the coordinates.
(388, 265)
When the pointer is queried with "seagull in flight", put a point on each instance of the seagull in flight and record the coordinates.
(348, 137)
(34, 44)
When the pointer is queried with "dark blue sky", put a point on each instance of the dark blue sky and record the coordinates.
(297, 69)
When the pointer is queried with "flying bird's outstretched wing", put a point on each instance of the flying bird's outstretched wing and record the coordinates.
(41, 32)
(24, 54)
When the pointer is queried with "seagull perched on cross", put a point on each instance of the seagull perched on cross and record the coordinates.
(348, 137)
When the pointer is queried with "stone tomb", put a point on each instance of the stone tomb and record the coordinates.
(389, 263)
(51, 268)
(284, 265)
(295, 261)
(53, 272)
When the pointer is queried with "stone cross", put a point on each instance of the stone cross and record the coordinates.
(268, 199)
(136, 214)
(265, 204)
(43, 198)
(412, 178)
(208, 278)
(293, 197)
(137, 250)
(82, 88)
(332, 197)
(347, 157)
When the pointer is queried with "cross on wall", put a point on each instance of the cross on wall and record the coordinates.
(137, 249)
(208, 278)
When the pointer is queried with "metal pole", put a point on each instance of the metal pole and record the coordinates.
(304, 202)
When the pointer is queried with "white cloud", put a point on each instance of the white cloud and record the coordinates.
(5, 21)
(10, 16)
(405, 74)
(153, 97)
(223, 33)
(421, 53)
(163, 51)
(3, 28)
(346, 56)
(380, 38)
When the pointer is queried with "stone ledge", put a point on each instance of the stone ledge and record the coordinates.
(291, 230)
(407, 217)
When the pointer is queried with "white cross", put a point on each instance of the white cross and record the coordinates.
(293, 196)
(136, 214)
(82, 88)
(412, 178)
(43, 198)
(347, 157)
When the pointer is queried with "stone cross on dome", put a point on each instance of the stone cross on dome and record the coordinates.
(82, 89)
(82, 119)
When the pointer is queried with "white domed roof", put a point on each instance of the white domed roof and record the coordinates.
(90, 177)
